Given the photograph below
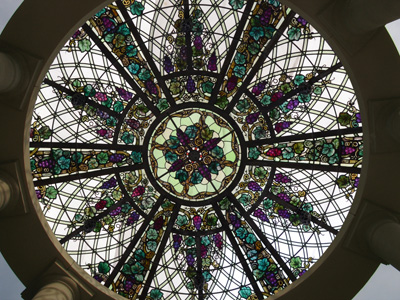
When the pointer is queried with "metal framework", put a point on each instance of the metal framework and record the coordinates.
(191, 150)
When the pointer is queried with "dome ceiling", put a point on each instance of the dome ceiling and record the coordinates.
(196, 149)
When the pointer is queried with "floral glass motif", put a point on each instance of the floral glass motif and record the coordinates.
(196, 149)
(194, 154)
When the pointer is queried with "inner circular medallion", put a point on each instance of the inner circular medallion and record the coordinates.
(194, 154)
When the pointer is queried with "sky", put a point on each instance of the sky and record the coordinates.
(386, 278)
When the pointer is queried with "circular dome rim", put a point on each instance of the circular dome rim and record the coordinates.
(7, 38)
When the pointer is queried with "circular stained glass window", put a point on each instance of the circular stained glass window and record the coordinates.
(201, 149)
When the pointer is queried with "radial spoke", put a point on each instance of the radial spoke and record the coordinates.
(87, 146)
(264, 55)
(132, 244)
(71, 93)
(195, 233)
(145, 52)
(188, 36)
(231, 52)
(304, 166)
(238, 252)
(160, 252)
(304, 136)
(199, 268)
(89, 224)
(262, 237)
(120, 69)
(127, 196)
(296, 91)
(66, 178)
(121, 123)
(263, 112)
(296, 209)
(178, 74)
(265, 190)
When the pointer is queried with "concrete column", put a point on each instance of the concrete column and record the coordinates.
(360, 16)
(5, 193)
(10, 73)
(384, 241)
(60, 289)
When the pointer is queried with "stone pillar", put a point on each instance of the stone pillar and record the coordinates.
(384, 241)
(10, 73)
(360, 16)
(62, 288)
(5, 193)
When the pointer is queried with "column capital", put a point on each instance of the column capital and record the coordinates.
(58, 288)
(8, 190)
(11, 72)
(383, 238)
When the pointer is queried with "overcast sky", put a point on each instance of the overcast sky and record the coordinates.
(383, 285)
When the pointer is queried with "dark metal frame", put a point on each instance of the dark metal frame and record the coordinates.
(244, 161)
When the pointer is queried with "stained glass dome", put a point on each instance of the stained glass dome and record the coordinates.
(201, 149)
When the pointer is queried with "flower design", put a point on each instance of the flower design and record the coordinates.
(137, 8)
(195, 154)
(236, 4)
